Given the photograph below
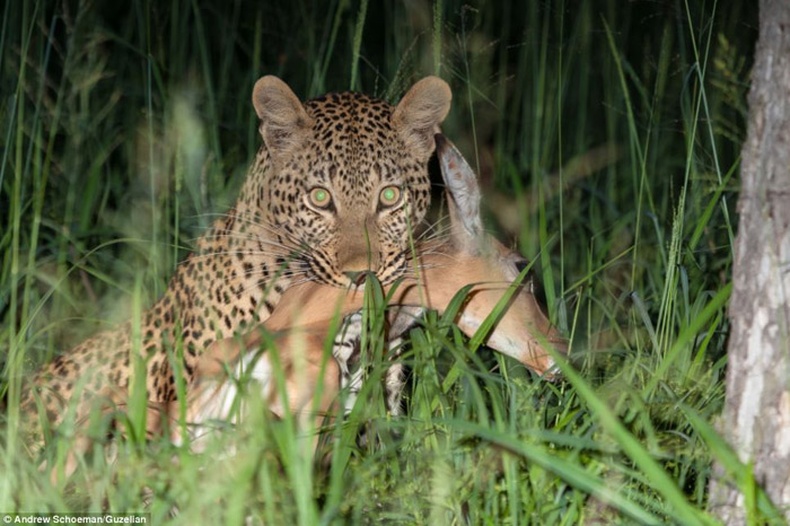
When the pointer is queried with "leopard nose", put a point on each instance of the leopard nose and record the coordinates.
(357, 277)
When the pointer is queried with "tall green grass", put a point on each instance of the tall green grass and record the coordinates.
(606, 135)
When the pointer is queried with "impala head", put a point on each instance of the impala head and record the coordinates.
(347, 176)
(523, 331)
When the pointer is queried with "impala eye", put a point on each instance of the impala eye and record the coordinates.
(390, 196)
(320, 198)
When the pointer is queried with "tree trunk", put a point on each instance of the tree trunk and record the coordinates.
(756, 418)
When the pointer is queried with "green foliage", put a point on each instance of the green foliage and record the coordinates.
(606, 135)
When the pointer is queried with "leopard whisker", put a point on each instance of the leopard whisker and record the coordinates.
(437, 227)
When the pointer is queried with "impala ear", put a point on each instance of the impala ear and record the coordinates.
(419, 114)
(284, 121)
(463, 196)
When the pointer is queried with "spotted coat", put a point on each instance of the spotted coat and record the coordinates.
(347, 145)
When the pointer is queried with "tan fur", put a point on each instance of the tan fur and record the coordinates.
(306, 370)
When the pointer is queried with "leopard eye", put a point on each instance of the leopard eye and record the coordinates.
(390, 196)
(320, 197)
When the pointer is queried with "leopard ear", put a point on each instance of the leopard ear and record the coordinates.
(420, 112)
(284, 121)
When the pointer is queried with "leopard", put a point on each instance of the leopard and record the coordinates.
(335, 192)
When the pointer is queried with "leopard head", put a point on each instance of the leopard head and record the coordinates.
(347, 177)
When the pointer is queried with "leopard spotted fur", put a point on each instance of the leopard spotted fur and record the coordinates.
(334, 190)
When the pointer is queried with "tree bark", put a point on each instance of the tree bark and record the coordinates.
(756, 418)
